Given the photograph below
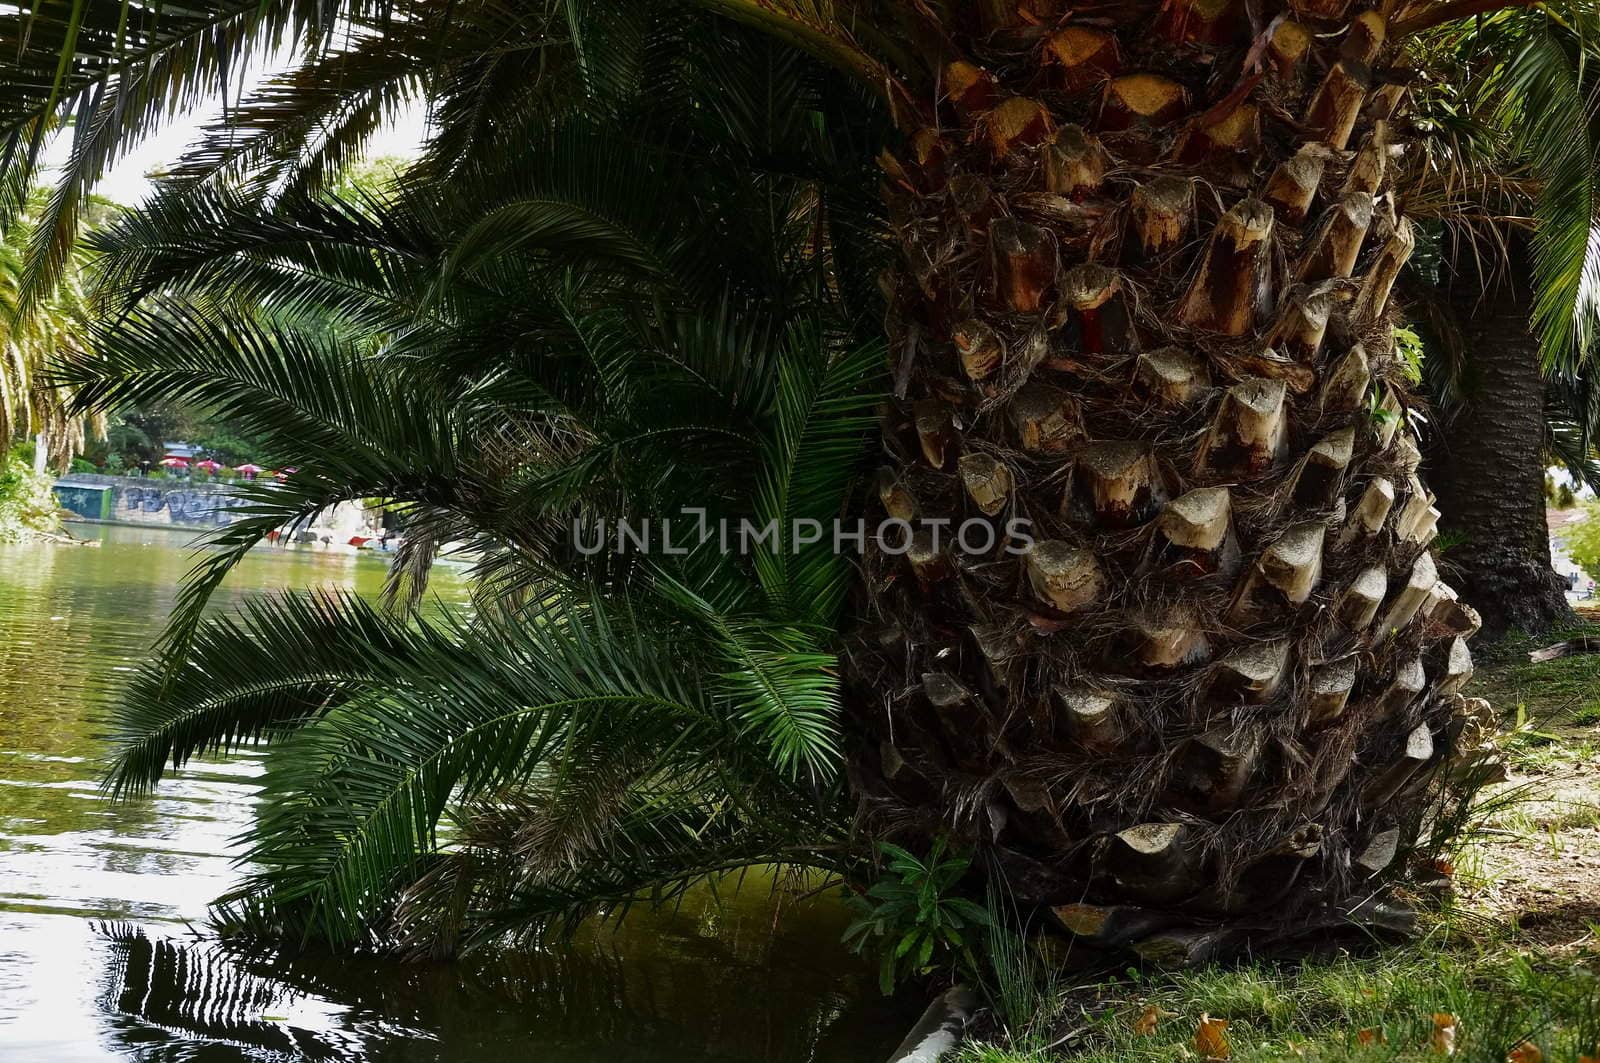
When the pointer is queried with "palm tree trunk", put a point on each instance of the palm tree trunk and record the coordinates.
(1144, 310)
(1487, 460)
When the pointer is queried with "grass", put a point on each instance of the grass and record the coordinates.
(1559, 697)
(1373, 1008)
(1513, 963)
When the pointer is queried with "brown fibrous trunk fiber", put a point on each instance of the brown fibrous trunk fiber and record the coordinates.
(1142, 326)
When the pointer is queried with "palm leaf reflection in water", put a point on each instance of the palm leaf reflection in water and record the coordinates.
(200, 1000)
(198, 997)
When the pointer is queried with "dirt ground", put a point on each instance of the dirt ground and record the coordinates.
(1536, 868)
(1546, 888)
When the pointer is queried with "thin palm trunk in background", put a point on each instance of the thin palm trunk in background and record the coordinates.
(1488, 454)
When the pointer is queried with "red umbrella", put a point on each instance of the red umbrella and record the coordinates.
(208, 465)
(172, 461)
(247, 469)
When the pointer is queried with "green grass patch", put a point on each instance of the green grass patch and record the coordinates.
(1537, 818)
(1563, 692)
(1319, 1010)
(1552, 708)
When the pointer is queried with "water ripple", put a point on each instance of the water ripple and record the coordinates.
(97, 961)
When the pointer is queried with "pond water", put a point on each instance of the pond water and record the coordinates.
(103, 954)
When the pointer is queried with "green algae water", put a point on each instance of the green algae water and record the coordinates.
(103, 952)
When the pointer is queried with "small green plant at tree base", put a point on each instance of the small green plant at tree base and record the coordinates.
(913, 918)
(1408, 347)
(1449, 539)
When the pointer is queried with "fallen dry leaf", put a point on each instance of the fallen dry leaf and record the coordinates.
(1211, 1038)
(1444, 1033)
(1145, 1024)
(1371, 1036)
(1526, 1052)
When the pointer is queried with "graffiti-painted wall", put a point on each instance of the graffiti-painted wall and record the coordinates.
(177, 503)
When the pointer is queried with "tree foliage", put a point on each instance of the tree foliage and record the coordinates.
(1509, 109)
(561, 327)
(29, 342)
(1582, 539)
(27, 506)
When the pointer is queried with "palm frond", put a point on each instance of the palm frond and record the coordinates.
(116, 71)
(561, 323)
(827, 29)
(1559, 127)
(353, 433)
(822, 413)
(354, 801)
(778, 684)
(1572, 427)
(30, 342)
(226, 694)
(1525, 81)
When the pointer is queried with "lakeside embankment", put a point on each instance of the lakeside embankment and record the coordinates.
(187, 505)
(199, 506)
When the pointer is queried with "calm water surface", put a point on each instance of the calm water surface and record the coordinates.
(102, 950)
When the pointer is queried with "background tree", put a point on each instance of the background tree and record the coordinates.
(1583, 541)
(137, 437)
(28, 342)
(1490, 452)
(1508, 113)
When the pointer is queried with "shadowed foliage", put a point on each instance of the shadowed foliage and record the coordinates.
(517, 355)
